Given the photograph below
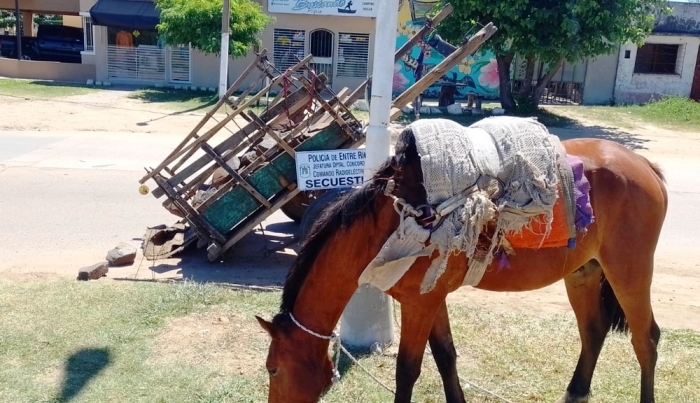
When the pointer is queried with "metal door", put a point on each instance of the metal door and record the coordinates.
(695, 89)
(321, 48)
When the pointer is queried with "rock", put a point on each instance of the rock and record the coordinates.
(455, 109)
(90, 82)
(425, 110)
(361, 105)
(435, 111)
(124, 254)
(477, 111)
(498, 111)
(93, 272)
(407, 110)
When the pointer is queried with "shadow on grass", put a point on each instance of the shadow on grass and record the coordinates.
(197, 99)
(80, 368)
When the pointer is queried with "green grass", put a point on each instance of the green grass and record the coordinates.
(41, 89)
(106, 341)
(676, 113)
(97, 341)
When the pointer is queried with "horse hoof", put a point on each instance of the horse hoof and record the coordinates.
(567, 398)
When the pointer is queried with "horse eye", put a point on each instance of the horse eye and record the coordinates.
(272, 371)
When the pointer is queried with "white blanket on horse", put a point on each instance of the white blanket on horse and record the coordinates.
(505, 169)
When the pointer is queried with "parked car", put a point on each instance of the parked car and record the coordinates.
(58, 43)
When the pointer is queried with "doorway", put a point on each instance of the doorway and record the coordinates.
(321, 48)
(695, 89)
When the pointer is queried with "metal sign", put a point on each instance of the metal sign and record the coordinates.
(343, 8)
(330, 169)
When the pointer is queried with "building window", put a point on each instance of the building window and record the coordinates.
(88, 35)
(654, 58)
(353, 52)
(288, 47)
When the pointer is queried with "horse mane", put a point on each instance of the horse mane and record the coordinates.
(352, 206)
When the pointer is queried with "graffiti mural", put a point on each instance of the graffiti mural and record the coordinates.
(477, 74)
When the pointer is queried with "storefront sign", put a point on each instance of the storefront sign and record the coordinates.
(343, 8)
(330, 169)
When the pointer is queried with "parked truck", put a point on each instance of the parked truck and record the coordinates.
(58, 43)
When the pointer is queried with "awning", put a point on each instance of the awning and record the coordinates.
(131, 14)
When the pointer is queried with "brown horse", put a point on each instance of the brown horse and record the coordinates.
(610, 268)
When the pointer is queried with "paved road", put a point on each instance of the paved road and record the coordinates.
(66, 198)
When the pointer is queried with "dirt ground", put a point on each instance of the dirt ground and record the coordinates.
(677, 278)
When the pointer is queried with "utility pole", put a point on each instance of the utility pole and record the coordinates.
(18, 31)
(367, 319)
(223, 68)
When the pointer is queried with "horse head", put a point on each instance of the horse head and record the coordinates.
(299, 368)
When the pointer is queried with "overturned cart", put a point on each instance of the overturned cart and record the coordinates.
(223, 191)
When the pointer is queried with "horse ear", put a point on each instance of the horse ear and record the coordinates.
(269, 327)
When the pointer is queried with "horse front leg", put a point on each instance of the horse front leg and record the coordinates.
(416, 325)
(445, 355)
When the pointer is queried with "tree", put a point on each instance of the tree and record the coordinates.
(48, 19)
(7, 19)
(550, 31)
(198, 22)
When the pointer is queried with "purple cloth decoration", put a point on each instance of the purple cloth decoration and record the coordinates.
(584, 211)
(503, 260)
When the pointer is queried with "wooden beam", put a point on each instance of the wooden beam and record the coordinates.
(441, 69)
(210, 113)
(251, 222)
(247, 186)
(296, 102)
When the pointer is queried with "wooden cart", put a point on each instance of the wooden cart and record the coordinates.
(223, 190)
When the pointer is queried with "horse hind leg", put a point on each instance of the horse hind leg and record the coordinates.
(445, 355)
(584, 288)
(630, 276)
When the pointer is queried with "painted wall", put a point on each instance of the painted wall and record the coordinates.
(478, 74)
(599, 83)
(46, 70)
(634, 88)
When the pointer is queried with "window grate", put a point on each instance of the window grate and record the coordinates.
(353, 55)
(88, 35)
(179, 64)
(289, 44)
(656, 58)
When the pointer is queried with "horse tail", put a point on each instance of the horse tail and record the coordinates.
(618, 320)
(657, 170)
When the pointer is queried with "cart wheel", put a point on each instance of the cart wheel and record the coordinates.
(316, 208)
(295, 208)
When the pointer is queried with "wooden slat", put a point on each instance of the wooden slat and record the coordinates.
(296, 101)
(210, 113)
(191, 214)
(444, 13)
(252, 222)
(247, 186)
(191, 148)
(452, 60)
(429, 24)
(267, 129)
